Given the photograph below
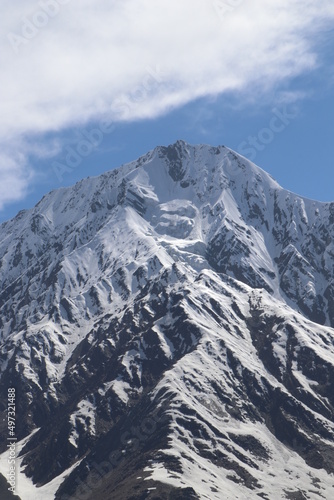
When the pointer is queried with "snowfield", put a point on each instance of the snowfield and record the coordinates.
(189, 285)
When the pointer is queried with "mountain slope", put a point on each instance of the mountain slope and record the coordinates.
(168, 327)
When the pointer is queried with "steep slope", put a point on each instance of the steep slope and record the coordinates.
(168, 327)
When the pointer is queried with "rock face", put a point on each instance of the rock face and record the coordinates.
(168, 327)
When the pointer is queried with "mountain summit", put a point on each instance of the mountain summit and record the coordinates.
(168, 328)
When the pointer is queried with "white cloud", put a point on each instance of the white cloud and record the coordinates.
(15, 177)
(64, 62)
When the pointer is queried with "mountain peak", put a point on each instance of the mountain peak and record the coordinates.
(171, 322)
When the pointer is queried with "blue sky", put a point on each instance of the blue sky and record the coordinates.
(85, 90)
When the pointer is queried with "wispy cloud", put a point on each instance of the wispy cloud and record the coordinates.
(64, 63)
(15, 177)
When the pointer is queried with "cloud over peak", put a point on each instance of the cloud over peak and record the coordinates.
(64, 63)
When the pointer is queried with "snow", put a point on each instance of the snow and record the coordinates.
(94, 255)
(85, 415)
(25, 488)
(191, 380)
(120, 388)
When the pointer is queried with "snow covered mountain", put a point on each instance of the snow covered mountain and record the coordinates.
(169, 329)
